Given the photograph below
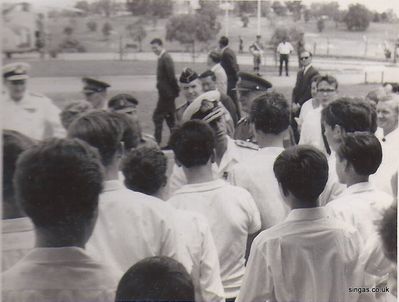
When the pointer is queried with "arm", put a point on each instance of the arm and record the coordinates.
(170, 73)
(53, 122)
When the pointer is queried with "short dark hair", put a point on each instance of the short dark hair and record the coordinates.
(215, 56)
(270, 113)
(144, 169)
(105, 131)
(362, 150)
(224, 41)
(156, 279)
(303, 171)
(58, 182)
(208, 73)
(14, 143)
(156, 41)
(329, 79)
(308, 51)
(193, 143)
(388, 231)
(351, 114)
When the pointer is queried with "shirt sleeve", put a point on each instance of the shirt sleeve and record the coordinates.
(257, 284)
(53, 122)
(211, 283)
(253, 213)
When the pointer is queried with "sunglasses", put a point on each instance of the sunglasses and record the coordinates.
(304, 58)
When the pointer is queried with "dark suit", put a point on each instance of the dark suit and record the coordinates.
(230, 106)
(301, 92)
(168, 90)
(230, 66)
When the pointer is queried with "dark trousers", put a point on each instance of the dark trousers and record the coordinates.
(231, 84)
(284, 58)
(158, 117)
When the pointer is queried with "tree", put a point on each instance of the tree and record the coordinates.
(68, 30)
(107, 28)
(92, 25)
(294, 7)
(151, 8)
(320, 25)
(246, 7)
(358, 17)
(137, 32)
(279, 9)
(83, 5)
(187, 29)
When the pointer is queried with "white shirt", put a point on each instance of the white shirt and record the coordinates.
(34, 115)
(232, 215)
(233, 154)
(307, 258)
(59, 274)
(362, 206)
(18, 238)
(306, 108)
(389, 165)
(311, 130)
(132, 226)
(285, 48)
(256, 175)
(221, 77)
(333, 188)
(195, 232)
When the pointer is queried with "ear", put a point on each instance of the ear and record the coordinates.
(284, 192)
(213, 156)
(338, 132)
(120, 152)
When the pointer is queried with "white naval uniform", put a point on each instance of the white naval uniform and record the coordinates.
(311, 130)
(194, 230)
(232, 215)
(333, 188)
(18, 238)
(221, 78)
(132, 226)
(362, 206)
(58, 275)
(235, 152)
(34, 115)
(306, 108)
(309, 257)
(256, 175)
(389, 165)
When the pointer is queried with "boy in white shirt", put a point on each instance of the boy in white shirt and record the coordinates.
(58, 184)
(309, 257)
(361, 204)
(230, 211)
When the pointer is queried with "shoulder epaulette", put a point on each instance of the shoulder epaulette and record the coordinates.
(247, 145)
(37, 94)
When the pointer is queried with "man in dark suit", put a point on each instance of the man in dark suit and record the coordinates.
(229, 64)
(302, 89)
(168, 90)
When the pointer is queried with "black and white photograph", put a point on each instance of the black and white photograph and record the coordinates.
(199, 150)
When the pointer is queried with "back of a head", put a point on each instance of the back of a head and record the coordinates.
(73, 111)
(207, 73)
(224, 41)
(14, 143)
(215, 56)
(193, 143)
(58, 182)
(303, 171)
(156, 41)
(144, 169)
(388, 230)
(156, 279)
(352, 114)
(362, 150)
(105, 131)
(329, 79)
(270, 113)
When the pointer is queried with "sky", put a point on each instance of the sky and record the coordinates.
(378, 5)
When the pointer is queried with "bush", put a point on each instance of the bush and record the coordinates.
(92, 25)
(320, 25)
(107, 28)
(358, 17)
(68, 30)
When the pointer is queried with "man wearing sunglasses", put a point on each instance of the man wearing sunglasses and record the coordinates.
(302, 89)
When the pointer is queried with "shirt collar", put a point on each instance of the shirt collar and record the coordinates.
(201, 187)
(224, 48)
(112, 185)
(271, 150)
(216, 67)
(58, 254)
(307, 214)
(359, 188)
(306, 68)
(162, 52)
(230, 155)
(21, 224)
(392, 136)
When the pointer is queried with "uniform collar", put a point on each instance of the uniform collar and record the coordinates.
(201, 187)
(271, 150)
(230, 155)
(21, 224)
(307, 214)
(113, 185)
(162, 53)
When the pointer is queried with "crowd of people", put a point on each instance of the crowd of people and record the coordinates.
(253, 198)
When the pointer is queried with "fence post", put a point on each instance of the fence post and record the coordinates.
(365, 77)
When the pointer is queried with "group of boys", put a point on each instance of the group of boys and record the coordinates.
(247, 217)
